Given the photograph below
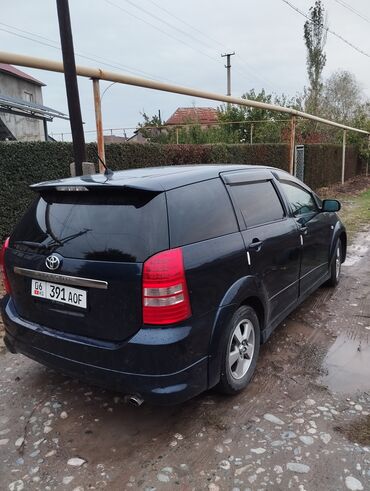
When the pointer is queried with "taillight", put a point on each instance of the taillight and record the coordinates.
(165, 293)
(2, 265)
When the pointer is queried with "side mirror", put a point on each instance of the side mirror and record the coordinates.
(330, 205)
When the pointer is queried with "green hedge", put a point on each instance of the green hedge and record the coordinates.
(124, 156)
(323, 164)
(22, 164)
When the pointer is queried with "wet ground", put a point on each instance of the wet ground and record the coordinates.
(302, 424)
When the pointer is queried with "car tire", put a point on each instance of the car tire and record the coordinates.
(335, 266)
(240, 349)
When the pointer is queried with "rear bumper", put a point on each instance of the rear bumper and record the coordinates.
(113, 365)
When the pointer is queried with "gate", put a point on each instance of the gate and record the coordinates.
(299, 162)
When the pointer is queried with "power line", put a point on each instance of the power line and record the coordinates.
(252, 72)
(97, 59)
(213, 41)
(353, 10)
(328, 30)
(87, 56)
(177, 29)
(158, 29)
(161, 30)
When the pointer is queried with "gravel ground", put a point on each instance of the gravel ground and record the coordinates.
(302, 424)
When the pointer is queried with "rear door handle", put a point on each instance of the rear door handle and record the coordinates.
(256, 245)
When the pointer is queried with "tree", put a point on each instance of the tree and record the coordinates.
(150, 120)
(237, 123)
(268, 129)
(344, 101)
(343, 97)
(151, 128)
(315, 33)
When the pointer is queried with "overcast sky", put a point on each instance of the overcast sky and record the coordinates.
(141, 38)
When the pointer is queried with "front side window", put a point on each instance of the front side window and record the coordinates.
(300, 200)
(258, 202)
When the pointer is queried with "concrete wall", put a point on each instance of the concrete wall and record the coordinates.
(23, 129)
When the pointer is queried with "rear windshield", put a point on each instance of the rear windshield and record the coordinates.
(108, 225)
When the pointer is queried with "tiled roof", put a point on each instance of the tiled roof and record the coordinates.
(4, 67)
(200, 115)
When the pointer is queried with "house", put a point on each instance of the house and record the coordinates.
(204, 116)
(144, 135)
(23, 116)
(114, 139)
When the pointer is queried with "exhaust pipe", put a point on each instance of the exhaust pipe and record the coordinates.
(134, 400)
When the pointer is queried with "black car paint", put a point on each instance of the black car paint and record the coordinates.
(173, 363)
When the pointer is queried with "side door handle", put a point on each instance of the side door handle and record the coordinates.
(255, 245)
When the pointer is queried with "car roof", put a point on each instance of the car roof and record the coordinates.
(156, 179)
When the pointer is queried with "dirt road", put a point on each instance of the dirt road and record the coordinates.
(302, 424)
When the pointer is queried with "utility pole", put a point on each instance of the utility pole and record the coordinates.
(228, 68)
(71, 85)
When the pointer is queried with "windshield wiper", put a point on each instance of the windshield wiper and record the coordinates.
(54, 243)
(33, 245)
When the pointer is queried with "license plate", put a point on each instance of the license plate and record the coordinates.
(59, 293)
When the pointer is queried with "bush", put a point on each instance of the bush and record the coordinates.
(22, 164)
(323, 164)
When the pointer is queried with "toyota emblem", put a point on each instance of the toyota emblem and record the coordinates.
(52, 262)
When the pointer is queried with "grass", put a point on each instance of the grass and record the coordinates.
(355, 198)
(358, 431)
(355, 212)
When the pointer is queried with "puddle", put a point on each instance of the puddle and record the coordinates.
(355, 254)
(357, 251)
(347, 365)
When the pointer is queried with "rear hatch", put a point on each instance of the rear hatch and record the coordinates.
(100, 238)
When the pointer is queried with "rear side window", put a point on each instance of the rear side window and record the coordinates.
(199, 211)
(258, 202)
(105, 225)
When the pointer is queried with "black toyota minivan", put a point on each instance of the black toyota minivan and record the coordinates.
(163, 282)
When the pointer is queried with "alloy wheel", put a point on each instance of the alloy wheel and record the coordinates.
(337, 263)
(241, 348)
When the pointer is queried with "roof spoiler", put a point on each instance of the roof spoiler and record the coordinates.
(81, 186)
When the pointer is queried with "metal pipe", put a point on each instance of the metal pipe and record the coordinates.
(293, 122)
(344, 154)
(45, 125)
(57, 66)
(99, 124)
